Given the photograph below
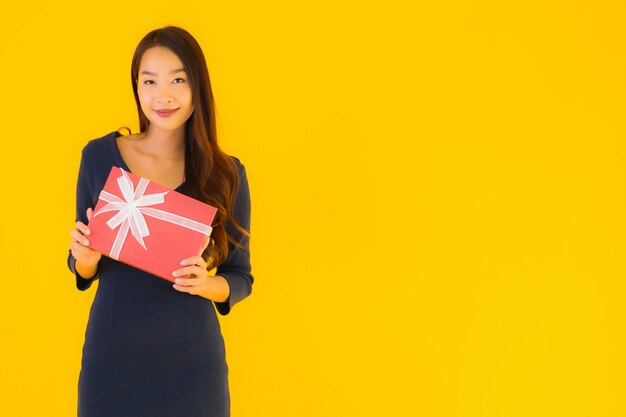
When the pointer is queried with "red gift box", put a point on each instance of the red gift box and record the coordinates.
(147, 225)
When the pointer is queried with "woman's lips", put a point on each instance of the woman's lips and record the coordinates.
(166, 113)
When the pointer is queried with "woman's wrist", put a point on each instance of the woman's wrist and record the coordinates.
(216, 289)
(85, 271)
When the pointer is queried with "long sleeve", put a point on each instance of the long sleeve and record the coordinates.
(236, 269)
(84, 199)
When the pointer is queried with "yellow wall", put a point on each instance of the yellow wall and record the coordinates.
(437, 194)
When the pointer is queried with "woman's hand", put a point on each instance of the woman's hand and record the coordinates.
(83, 254)
(197, 282)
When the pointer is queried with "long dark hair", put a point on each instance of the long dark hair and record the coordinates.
(211, 175)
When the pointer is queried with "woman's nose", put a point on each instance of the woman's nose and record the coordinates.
(164, 94)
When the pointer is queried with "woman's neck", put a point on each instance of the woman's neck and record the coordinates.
(165, 143)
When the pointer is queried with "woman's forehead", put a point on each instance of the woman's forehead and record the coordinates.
(159, 60)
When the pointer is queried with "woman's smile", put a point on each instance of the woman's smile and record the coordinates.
(166, 112)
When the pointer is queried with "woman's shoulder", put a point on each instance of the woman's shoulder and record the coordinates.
(237, 163)
(97, 147)
(235, 160)
(243, 176)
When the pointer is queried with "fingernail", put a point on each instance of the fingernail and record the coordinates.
(86, 242)
(174, 273)
(182, 262)
(88, 232)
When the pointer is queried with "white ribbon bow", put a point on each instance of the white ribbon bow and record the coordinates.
(132, 209)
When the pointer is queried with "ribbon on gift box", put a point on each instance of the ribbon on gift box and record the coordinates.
(131, 210)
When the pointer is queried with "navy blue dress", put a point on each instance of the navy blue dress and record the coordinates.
(150, 350)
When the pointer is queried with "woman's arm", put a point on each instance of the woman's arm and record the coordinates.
(235, 271)
(85, 275)
(233, 279)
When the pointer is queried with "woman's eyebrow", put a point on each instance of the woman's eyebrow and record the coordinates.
(154, 74)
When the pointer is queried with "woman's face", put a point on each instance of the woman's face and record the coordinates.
(163, 84)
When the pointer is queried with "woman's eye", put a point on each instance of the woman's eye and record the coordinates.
(151, 81)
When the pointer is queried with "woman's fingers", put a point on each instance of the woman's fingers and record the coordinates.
(194, 260)
(77, 236)
(83, 228)
(191, 285)
(197, 265)
(78, 250)
(191, 282)
(86, 255)
(193, 269)
(196, 275)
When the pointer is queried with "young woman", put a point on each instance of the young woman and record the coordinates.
(151, 348)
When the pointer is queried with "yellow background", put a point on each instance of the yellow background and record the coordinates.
(437, 199)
